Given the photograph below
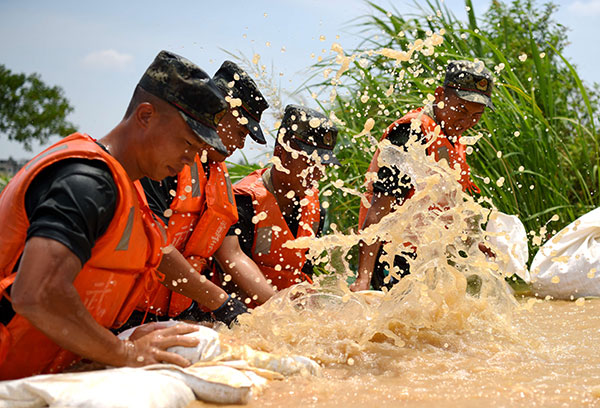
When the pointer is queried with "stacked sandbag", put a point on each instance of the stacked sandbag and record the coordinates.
(219, 374)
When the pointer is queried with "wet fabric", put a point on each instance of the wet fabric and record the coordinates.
(567, 265)
(390, 181)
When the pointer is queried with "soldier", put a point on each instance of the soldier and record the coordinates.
(80, 246)
(277, 204)
(198, 204)
(458, 106)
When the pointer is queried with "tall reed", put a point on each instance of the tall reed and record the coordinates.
(538, 154)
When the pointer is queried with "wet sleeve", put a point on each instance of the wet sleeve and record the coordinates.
(322, 216)
(390, 181)
(308, 267)
(244, 228)
(159, 196)
(72, 202)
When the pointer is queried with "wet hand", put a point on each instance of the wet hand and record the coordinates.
(149, 344)
(229, 311)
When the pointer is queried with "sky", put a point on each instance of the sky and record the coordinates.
(97, 51)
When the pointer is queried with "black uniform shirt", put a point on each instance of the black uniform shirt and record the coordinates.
(159, 193)
(389, 180)
(72, 202)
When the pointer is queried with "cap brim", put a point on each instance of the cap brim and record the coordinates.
(205, 133)
(475, 97)
(326, 155)
(256, 132)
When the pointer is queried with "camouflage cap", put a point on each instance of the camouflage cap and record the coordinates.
(188, 88)
(310, 130)
(235, 83)
(472, 81)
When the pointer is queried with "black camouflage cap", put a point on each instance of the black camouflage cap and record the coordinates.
(238, 88)
(188, 88)
(472, 81)
(311, 131)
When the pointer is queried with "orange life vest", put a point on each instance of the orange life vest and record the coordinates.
(203, 210)
(110, 283)
(442, 148)
(283, 266)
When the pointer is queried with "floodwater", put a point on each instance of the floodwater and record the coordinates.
(451, 333)
(554, 361)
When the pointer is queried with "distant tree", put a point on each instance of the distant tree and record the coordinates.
(31, 110)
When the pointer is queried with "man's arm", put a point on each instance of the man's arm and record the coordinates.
(182, 278)
(44, 294)
(243, 270)
(381, 205)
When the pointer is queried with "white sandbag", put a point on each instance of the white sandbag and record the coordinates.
(508, 236)
(217, 384)
(114, 388)
(211, 379)
(155, 386)
(208, 346)
(565, 266)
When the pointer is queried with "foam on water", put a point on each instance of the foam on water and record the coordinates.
(454, 299)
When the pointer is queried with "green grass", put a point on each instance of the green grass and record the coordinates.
(542, 138)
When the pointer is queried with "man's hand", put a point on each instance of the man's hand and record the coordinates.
(229, 311)
(148, 344)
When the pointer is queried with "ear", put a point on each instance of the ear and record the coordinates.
(278, 151)
(439, 94)
(144, 113)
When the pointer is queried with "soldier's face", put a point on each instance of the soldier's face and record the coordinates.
(456, 115)
(305, 172)
(173, 145)
(233, 135)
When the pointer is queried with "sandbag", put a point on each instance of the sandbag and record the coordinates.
(114, 388)
(222, 374)
(208, 347)
(565, 266)
(508, 237)
(155, 386)
(218, 384)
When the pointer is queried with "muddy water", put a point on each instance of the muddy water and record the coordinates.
(553, 362)
(449, 334)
